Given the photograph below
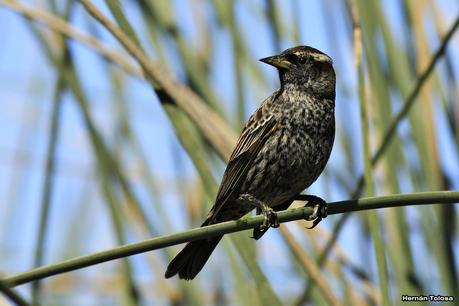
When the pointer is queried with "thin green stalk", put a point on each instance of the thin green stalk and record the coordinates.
(228, 17)
(425, 136)
(380, 256)
(126, 131)
(296, 14)
(106, 166)
(100, 147)
(193, 67)
(238, 57)
(267, 295)
(372, 215)
(398, 200)
(224, 11)
(114, 206)
(213, 127)
(48, 183)
(117, 11)
(71, 79)
(408, 104)
(399, 250)
(244, 296)
(72, 83)
(99, 144)
(160, 18)
(192, 143)
(311, 268)
(160, 221)
(197, 74)
(275, 22)
(60, 26)
(12, 295)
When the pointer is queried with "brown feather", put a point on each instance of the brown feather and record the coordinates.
(247, 148)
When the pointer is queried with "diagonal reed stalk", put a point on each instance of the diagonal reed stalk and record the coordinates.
(372, 216)
(420, 198)
(48, 182)
(13, 296)
(214, 128)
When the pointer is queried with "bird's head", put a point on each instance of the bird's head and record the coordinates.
(306, 68)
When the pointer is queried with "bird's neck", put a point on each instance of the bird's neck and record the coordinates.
(304, 89)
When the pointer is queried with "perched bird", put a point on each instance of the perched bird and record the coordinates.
(282, 150)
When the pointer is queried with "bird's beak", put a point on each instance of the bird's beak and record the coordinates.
(277, 61)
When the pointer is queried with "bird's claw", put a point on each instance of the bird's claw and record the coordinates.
(271, 219)
(258, 233)
(319, 206)
(270, 216)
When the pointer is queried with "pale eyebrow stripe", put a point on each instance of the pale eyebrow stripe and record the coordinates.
(321, 57)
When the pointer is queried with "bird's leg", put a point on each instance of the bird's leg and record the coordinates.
(257, 232)
(319, 205)
(269, 214)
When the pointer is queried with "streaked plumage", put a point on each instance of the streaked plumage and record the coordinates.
(283, 148)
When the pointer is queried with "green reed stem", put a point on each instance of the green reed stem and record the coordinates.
(421, 198)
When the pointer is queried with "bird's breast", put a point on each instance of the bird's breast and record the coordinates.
(293, 156)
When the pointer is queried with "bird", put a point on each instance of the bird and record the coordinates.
(283, 148)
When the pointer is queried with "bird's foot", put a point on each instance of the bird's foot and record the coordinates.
(258, 232)
(270, 215)
(319, 206)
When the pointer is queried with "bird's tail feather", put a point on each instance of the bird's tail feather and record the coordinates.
(192, 258)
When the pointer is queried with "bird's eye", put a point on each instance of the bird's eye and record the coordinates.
(292, 58)
(301, 60)
(295, 59)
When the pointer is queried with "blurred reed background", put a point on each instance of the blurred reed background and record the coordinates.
(93, 155)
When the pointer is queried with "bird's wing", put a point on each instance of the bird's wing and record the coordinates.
(257, 130)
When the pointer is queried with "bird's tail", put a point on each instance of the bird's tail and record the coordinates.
(192, 258)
